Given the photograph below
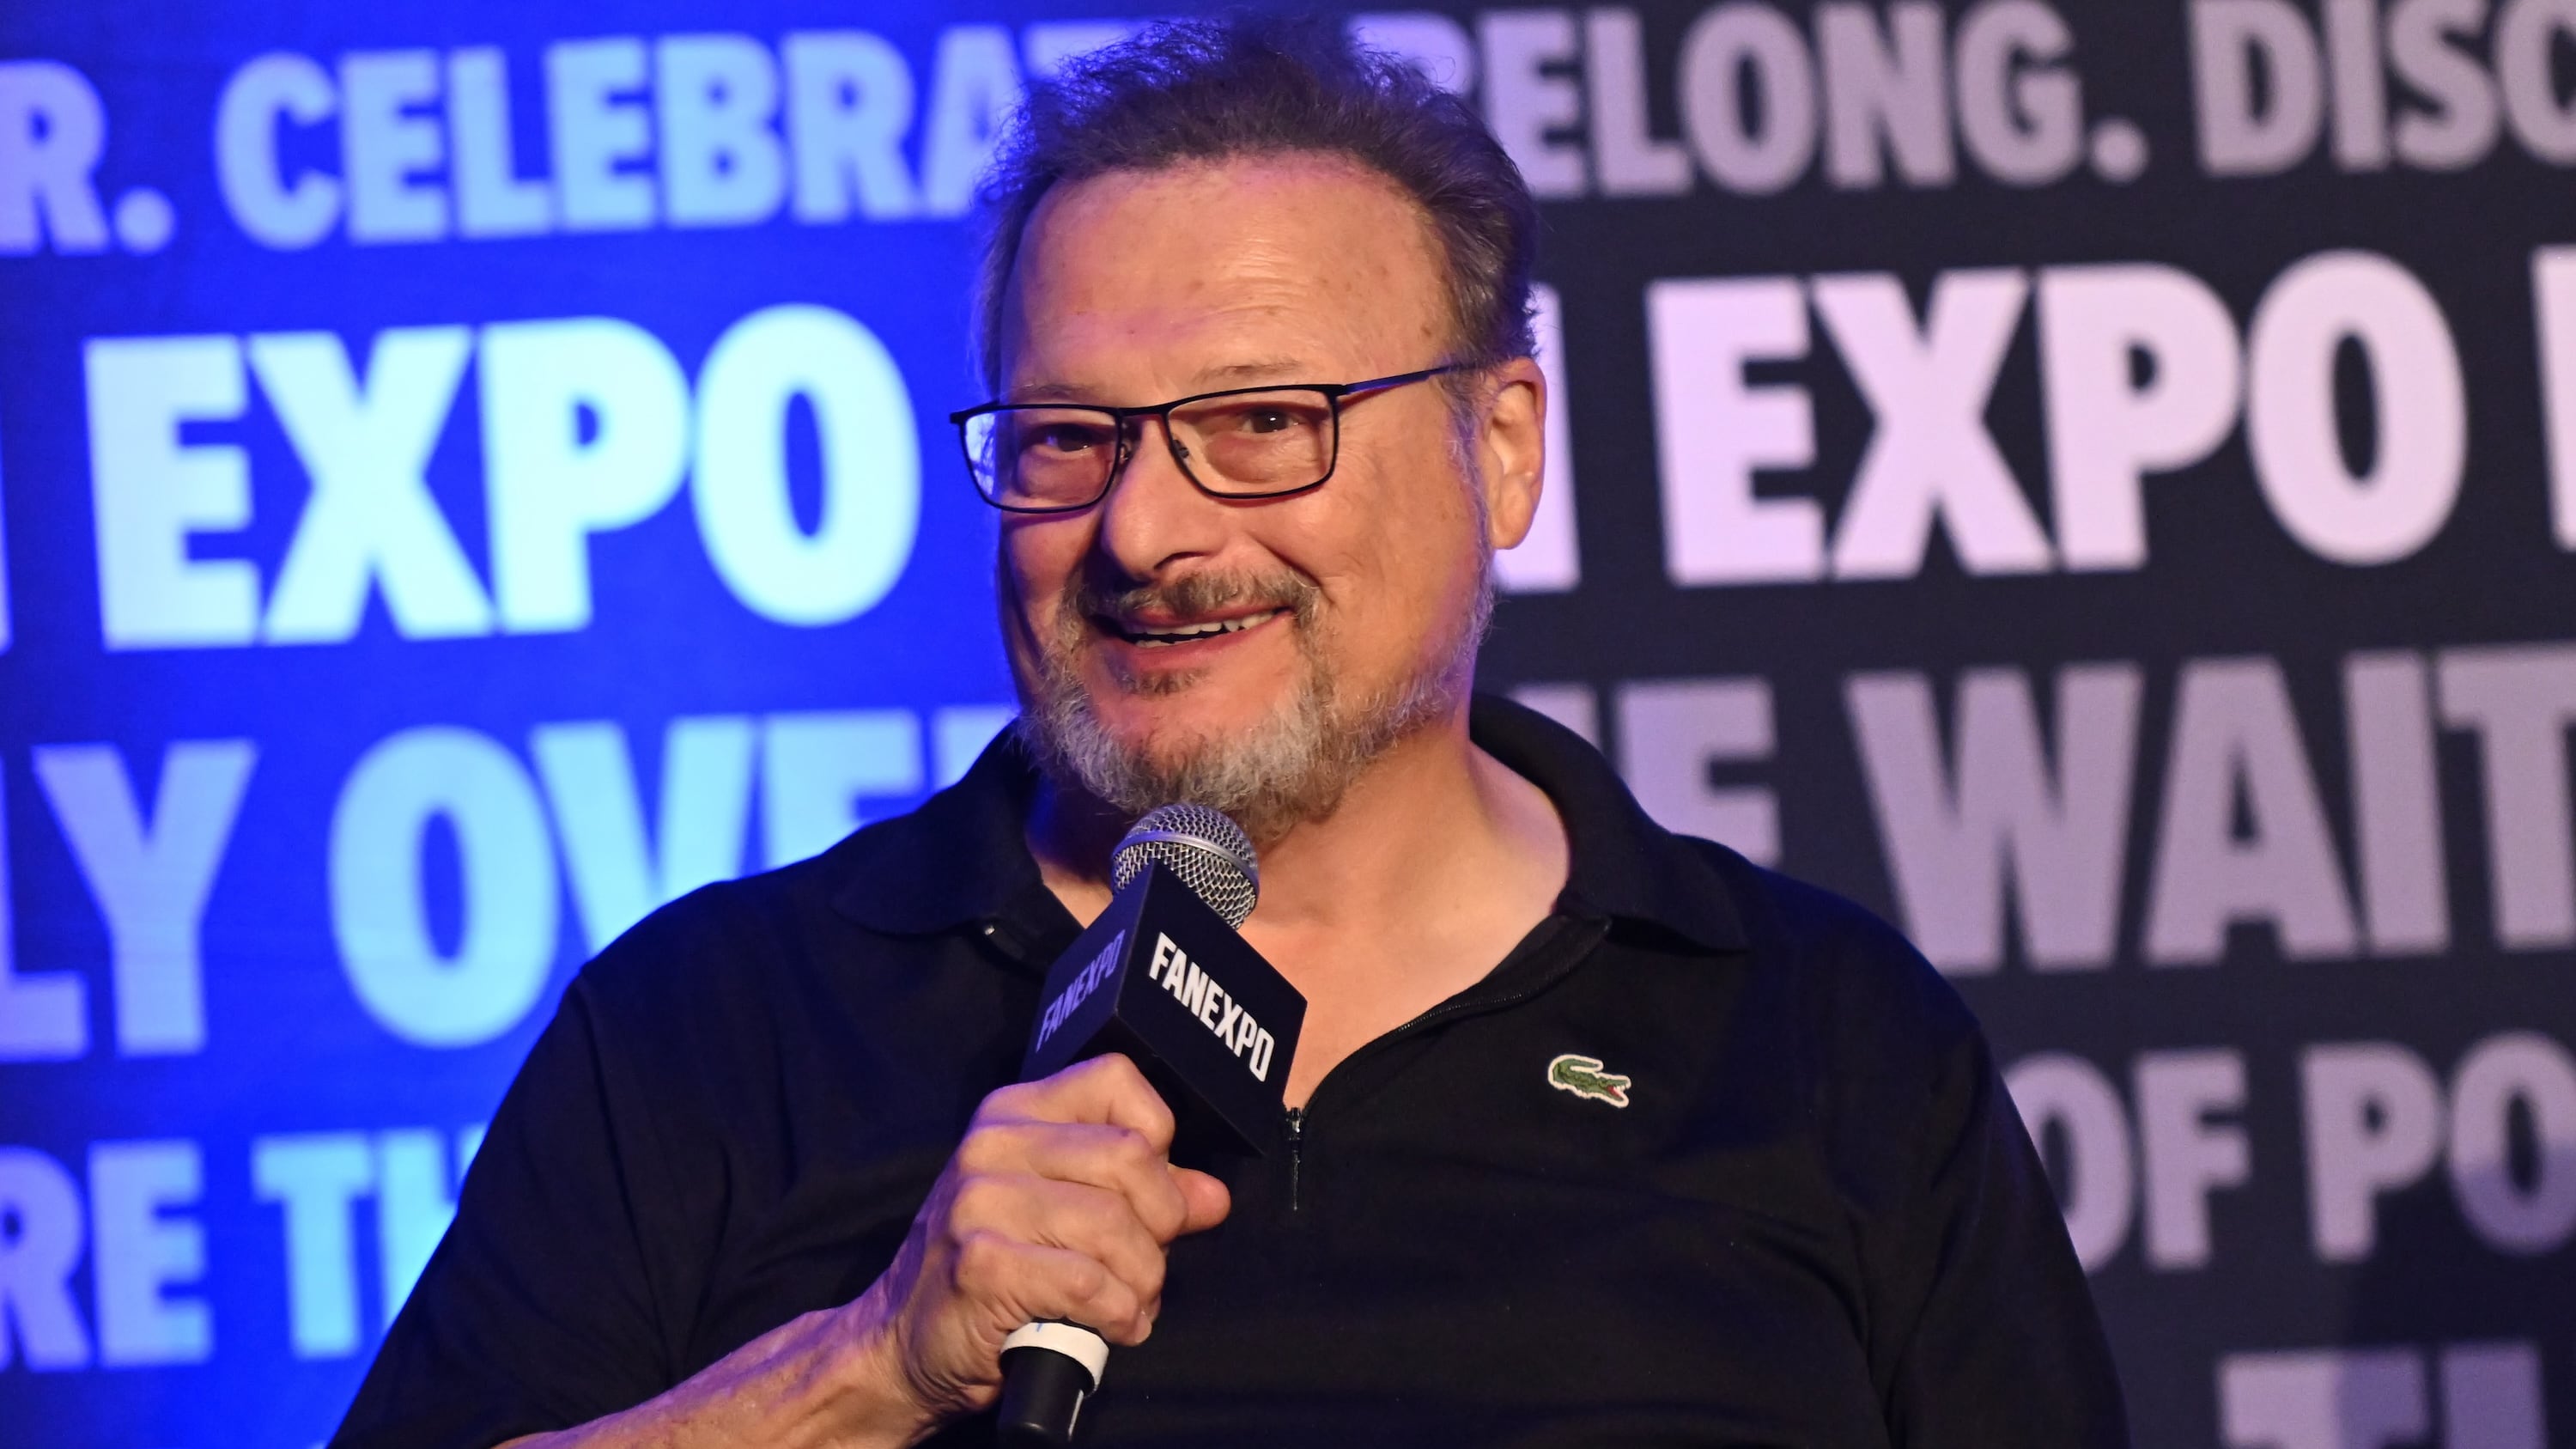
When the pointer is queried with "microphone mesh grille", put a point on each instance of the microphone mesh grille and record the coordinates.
(1204, 847)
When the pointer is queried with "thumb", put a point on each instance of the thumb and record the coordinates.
(1204, 1199)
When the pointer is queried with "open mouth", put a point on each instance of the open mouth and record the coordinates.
(1164, 636)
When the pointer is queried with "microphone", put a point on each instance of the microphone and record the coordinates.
(1163, 977)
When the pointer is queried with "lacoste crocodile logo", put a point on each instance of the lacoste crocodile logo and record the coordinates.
(1583, 1076)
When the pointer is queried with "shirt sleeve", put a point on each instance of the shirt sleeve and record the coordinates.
(537, 1311)
(1981, 1328)
(1997, 1342)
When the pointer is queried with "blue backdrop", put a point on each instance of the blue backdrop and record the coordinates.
(312, 801)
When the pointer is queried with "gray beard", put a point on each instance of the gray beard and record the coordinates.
(1293, 767)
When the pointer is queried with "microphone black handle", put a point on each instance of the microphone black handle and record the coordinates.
(1048, 1370)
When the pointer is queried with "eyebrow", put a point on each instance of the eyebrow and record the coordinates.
(1282, 369)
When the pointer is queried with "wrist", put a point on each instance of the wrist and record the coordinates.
(884, 1405)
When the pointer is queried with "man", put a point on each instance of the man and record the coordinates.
(1597, 1135)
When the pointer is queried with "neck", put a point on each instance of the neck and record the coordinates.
(1435, 863)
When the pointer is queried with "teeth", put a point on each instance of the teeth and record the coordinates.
(1186, 632)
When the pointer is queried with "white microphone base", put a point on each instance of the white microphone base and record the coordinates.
(1048, 1369)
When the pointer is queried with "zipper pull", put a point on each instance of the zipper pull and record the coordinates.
(1296, 1149)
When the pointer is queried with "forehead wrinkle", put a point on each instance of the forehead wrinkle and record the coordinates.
(1282, 370)
(1259, 335)
(1255, 316)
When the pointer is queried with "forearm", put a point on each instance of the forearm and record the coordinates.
(1058, 1205)
(825, 1380)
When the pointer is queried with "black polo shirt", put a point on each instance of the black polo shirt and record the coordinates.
(1814, 1219)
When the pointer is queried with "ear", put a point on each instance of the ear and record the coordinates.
(1511, 449)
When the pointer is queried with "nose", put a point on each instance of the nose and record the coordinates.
(1154, 517)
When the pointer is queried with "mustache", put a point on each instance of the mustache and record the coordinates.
(1192, 595)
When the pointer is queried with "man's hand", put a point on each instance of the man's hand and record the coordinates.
(1059, 1204)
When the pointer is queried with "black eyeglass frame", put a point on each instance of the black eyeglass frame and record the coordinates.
(1333, 393)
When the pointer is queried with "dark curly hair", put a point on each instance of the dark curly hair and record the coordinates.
(1248, 83)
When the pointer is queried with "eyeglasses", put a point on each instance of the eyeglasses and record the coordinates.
(1237, 443)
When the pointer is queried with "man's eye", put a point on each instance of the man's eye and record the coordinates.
(1064, 438)
(1273, 419)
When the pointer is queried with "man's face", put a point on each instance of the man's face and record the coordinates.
(1348, 613)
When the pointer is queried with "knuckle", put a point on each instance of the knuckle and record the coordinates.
(1148, 1279)
(1119, 1307)
(1131, 1149)
(980, 1259)
(1161, 1123)
(1087, 1280)
(1110, 1296)
(972, 1205)
(977, 1152)
(1120, 1075)
(1003, 1104)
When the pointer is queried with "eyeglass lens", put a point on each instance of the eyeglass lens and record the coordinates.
(1244, 443)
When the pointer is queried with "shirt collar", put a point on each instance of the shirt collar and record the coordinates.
(961, 858)
(1625, 866)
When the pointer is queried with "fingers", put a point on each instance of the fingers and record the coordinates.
(1092, 1222)
(1114, 1158)
(1105, 1090)
(1058, 1204)
(1100, 1122)
(1020, 1282)
(1061, 1198)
